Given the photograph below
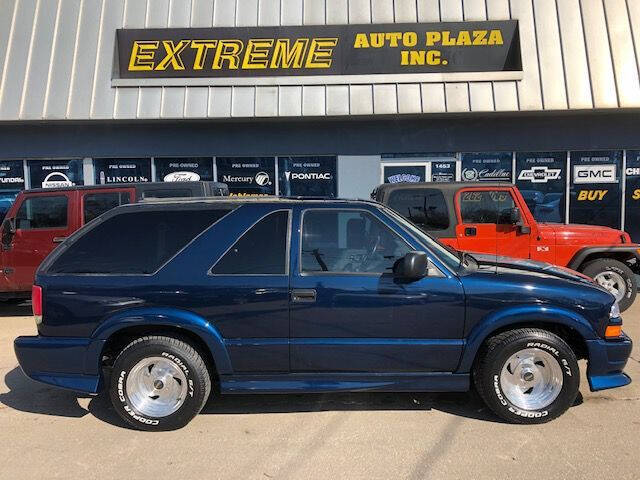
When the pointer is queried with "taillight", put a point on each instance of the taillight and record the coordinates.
(36, 302)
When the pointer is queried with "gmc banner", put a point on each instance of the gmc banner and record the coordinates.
(596, 193)
(319, 50)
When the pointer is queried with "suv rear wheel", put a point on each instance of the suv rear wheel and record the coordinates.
(159, 383)
(527, 375)
(616, 277)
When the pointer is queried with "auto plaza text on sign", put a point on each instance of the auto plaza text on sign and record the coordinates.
(319, 50)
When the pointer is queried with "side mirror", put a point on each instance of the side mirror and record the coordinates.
(413, 266)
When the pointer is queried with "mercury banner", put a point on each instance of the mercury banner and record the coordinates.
(319, 51)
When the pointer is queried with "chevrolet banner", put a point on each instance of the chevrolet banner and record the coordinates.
(319, 51)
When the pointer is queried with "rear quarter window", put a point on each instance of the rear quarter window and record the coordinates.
(426, 207)
(134, 243)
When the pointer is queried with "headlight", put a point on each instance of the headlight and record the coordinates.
(615, 311)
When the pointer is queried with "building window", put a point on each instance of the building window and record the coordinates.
(122, 170)
(307, 176)
(596, 193)
(56, 173)
(247, 175)
(404, 172)
(487, 167)
(190, 169)
(541, 178)
(632, 195)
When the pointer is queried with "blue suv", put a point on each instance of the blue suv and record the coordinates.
(158, 302)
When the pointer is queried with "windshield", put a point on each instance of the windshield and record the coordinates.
(445, 255)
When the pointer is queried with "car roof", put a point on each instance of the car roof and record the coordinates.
(238, 201)
(444, 186)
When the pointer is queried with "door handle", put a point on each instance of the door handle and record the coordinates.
(303, 295)
(470, 231)
(59, 239)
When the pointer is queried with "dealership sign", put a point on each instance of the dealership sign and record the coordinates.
(541, 174)
(595, 173)
(319, 53)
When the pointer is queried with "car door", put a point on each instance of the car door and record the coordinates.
(483, 224)
(42, 221)
(348, 312)
(246, 293)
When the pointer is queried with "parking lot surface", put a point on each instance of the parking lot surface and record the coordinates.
(51, 433)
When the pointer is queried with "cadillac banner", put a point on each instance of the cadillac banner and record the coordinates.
(319, 50)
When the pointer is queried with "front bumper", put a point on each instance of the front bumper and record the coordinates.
(71, 363)
(607, 359)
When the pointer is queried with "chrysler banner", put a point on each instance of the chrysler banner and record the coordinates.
(596, 188)
(541, 178)
(486, 167)
(632, 195)
(314, 51)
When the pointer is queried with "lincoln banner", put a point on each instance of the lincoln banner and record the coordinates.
(320, 54)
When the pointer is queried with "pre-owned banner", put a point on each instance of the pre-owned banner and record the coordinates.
(319, 50)
(486, 167)
(184, 169)
(541, 178)
(307, 176)
(11, 175)
(122, 170)
(596, 193)
(632, 195)
(247, 175)
(56, 173)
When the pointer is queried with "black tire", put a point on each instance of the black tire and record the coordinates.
(179, 354)
(594, 267)
(495, 353)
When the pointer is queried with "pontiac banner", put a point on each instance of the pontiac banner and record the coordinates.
(319, 51)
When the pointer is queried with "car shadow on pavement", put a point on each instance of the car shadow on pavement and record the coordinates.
(16, 308)
(27, 395)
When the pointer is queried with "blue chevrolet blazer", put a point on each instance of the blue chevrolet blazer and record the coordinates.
(157, 302)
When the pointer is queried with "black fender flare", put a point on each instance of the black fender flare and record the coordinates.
(582, 254)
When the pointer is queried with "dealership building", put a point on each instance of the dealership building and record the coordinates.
(328, 97)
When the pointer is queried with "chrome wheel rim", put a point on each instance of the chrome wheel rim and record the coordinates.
(613, 282)
(531, 379)
(156, 387)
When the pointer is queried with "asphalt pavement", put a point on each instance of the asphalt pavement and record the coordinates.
(51, 433)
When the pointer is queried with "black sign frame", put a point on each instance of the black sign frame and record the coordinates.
(319, 50)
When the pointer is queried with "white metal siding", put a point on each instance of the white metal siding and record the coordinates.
(57, 59)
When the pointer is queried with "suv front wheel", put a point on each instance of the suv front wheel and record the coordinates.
(527, 375)
(616, 277)
(159, 383)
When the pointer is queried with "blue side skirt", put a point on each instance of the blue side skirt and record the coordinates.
(344, 382)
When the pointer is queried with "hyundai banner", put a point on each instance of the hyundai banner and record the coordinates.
(596, 193)
(11, 175)
(307, 176)
(122, 170)
(541, 178)
(56, 173)
(486, 167)
(247, 175)
(184, 169)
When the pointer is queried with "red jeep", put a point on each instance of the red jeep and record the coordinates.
(493, 218)
(40, 219)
